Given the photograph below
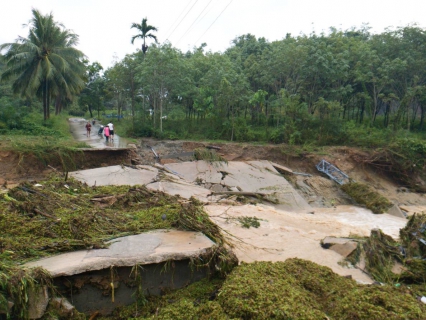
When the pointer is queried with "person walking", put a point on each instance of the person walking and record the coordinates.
(106, 133)
(88, 128)
(111, 130)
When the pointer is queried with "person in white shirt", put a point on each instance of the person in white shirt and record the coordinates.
(111, 130)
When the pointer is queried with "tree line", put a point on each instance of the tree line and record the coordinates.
(300, 88)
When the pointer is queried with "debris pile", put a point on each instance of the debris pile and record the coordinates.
(396, 262)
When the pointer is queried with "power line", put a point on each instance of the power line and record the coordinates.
(179, 16)
(182, 19)
(213, 22)
(194, 22)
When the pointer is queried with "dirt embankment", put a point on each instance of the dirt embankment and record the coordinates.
(16, 167)
(318, 189)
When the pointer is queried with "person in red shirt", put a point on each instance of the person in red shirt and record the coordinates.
(88, 128)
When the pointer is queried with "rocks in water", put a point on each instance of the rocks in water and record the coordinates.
(342, 246)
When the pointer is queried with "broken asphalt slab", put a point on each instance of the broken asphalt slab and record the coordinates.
(145, 248)
(251, 176)
(254, 176)
(116, 175)
(142, 175)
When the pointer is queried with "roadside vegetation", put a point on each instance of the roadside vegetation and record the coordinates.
(344, 88)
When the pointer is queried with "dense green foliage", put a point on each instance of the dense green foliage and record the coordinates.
(321, 88)
(345, 87)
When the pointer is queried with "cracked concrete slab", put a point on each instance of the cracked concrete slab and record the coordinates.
(250, 176)
(116, 175)
(183, 189)
(145, 248)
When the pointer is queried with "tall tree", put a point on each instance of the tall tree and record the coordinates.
(145, 32)
(46, 62)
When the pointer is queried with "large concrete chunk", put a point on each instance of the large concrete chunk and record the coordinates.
(251, 176)
(116, 175)
(344, 249)
(396, 211)
(145, 248)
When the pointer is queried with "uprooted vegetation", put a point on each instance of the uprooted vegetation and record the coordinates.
(403, 160)
(294, 289)
(209, 155)
(365, 195)
(60, 216)
(54, 216)
(382, 253)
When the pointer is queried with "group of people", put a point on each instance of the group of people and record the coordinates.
(108, 130)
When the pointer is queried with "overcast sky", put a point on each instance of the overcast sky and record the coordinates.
(104, 25)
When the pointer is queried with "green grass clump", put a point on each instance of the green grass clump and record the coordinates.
(299, 289)
(193, 302)
(365, 195)
(294, 289)
(208, 155)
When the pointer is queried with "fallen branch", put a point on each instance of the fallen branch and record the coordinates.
(46, 214)
(213, 147)
(240, 193)
(54, 169)
(262, 196)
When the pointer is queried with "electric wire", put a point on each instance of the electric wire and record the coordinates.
(182, 19)
(179, 16)
(213, 21)
(187, 30)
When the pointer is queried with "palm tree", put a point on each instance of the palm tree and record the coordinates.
(45, 63)
(144, 33)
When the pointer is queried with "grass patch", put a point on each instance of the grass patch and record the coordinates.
(294, 289)
(365, 195)
(54, 146)
(247, 222)
(208, 155)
